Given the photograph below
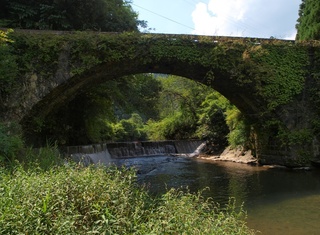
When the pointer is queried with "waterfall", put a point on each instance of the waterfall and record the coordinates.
(89, 154)
(107, 152)
(187, 146)
(139, 149)
(198, 150)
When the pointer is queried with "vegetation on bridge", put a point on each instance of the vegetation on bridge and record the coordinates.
(274, 71)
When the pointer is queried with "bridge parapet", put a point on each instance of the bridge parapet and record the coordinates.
(189, 37)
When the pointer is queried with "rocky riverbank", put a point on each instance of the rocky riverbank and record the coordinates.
(239, 155)
(234, 155)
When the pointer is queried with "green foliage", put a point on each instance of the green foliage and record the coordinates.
(212, 119)
(176, 126)
(103, 112)
(10, 142)
(38, 56)
(131, 129)
(239, 129)
(13, 151)
(279, 75)
(271, 72)
(42, 159)
(182, 94)
(172, 216)
(156, 129)
(277, 72)
(174, 106)
(99, 129)
(135, 94)
(77, 200)
(315, 93)
(102, 15)
(4, 36)
(8, 64)
(179, 104)
(308, 23)
(191, 110)
(295, 137)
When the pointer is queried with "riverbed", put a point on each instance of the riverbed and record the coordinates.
(278, 201)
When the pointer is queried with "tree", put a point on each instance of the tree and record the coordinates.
(100, 15)
(308, 25)
(212, 120)
(179, 104)
(189, 110)
(129, 129)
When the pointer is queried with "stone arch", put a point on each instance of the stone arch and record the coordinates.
(222, 82)
(222, 63)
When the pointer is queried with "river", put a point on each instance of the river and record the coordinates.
(278, 201)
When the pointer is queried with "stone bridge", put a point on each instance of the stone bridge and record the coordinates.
(273, 82)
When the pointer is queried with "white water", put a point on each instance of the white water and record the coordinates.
(198, 150)
(187, 147)
(86, 159)
(105, 153)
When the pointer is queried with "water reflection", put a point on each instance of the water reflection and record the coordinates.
(278, 201)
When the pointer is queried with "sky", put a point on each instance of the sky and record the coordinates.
(239, 18)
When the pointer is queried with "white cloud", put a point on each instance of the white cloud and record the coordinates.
(290, 36)
(220, 17)
(250, 18)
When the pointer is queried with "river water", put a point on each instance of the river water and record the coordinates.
(278, 201)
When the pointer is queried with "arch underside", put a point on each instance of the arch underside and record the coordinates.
(218, 80)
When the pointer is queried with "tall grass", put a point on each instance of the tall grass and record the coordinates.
(71, 199)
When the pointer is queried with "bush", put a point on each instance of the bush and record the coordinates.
(176, 126)
(98, 200)
(155, 129)
(131, 129)
(99, 130)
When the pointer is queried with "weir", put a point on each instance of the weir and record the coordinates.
(105, 153)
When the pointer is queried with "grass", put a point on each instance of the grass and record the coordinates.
(71, 199)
